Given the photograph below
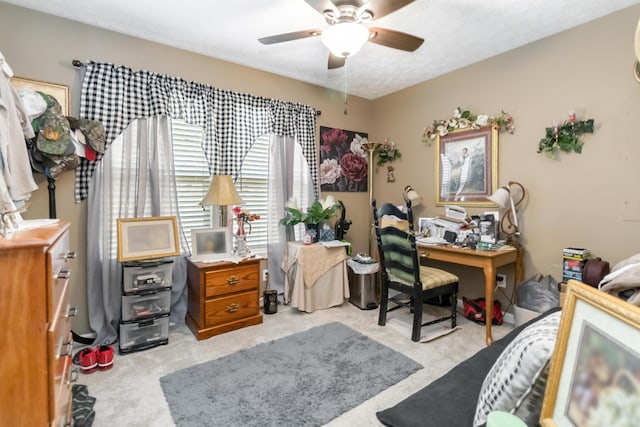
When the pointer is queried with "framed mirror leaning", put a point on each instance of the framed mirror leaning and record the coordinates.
(467, 167)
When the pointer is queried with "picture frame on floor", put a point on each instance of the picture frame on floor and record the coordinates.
(147, 238)
(595, 367)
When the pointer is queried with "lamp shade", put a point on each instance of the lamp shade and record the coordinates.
(345, 38)
(222, 192)
(411, 194)
(501, 197)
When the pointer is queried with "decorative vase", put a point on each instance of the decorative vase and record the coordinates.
(240, 245)
(313, 230)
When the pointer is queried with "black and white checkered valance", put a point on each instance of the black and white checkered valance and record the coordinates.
(117, 95)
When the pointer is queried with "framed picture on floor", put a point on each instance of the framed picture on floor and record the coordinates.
(147, 238)
(595, 369)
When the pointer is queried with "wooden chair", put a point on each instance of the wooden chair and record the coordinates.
(401, 269)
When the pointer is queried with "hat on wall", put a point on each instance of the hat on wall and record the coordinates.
(53, 128)
(93, 131)
(34, 104)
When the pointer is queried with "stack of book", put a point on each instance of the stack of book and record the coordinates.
(573, 260)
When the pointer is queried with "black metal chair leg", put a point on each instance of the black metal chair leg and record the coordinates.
(417, 319)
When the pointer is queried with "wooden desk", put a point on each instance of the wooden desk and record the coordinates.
(488, 261)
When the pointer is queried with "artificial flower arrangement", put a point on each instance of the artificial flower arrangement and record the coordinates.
(464, 119)
(388, 152)
(242, 217)
(565, 137)
(319, 211)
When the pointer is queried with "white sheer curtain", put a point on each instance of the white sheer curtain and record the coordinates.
(135, 179)
(289, 175)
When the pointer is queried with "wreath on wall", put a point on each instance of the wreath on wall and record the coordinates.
(565, 137)
(465, 119)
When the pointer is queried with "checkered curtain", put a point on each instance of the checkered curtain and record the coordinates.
(231, 121)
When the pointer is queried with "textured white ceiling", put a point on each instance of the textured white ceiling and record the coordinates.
(457, 33)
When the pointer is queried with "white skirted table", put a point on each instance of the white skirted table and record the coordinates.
(315, 276)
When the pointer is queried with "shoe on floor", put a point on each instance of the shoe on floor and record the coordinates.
(87, 359)
(105, 357)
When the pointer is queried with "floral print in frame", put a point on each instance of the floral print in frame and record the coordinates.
(343, 161)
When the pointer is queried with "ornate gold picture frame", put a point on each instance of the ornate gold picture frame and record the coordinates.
(467, 167)
(596, 361)
(58, 91)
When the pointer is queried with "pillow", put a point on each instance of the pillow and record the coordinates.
(517, 379)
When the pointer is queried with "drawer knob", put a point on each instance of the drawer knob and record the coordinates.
(70, 255)
(232, 308)
(71, 312)
(63, 274)
(233, 280)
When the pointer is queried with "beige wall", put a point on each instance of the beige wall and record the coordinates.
(587, 200)
(590, 199)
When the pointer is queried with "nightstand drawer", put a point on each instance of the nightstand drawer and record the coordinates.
(230, 308)
(235, 279)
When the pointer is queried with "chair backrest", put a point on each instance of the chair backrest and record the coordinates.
(397, 244)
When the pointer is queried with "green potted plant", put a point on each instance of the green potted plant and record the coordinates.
(320, 211)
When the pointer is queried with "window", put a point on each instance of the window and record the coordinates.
(192, 176)
(253, 187)
(193, 179)
(192, 182)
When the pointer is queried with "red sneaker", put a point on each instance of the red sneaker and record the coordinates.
(88, 360)
(105, 357)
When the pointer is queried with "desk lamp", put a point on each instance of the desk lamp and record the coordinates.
(503, 197)
(411, 194)
(222, 193)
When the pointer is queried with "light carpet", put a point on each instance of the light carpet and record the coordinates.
(304, 379)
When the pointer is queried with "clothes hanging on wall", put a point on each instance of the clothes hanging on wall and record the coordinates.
(15, 127)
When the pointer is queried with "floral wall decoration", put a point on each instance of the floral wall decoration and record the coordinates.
(465, 119)
(565, 137)
(343, 160)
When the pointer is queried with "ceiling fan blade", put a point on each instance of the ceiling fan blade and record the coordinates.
(336, 61)
(381, 8)
(322, 5)
(286, 37)
(394, 39)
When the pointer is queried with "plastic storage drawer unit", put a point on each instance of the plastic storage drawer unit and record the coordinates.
(146, 276)
(144, 306)
(145, 334)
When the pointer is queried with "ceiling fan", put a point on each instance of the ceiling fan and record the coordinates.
(349, 28)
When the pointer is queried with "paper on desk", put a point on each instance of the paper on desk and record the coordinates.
(334, 243)
(431, 241)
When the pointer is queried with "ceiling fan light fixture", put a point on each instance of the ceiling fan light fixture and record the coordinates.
(345, 38)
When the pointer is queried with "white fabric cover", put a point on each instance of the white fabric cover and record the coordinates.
(513, 378)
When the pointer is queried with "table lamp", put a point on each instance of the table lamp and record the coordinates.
(222, 193)
(411, 194)
(503, 197)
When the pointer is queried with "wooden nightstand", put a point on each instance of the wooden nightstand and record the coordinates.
(223, 297)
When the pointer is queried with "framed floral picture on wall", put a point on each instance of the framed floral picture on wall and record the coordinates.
(343, 160)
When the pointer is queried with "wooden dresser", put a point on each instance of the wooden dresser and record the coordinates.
(35, 365)
(222, 297)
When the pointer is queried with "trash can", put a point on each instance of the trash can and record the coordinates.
(363, 284)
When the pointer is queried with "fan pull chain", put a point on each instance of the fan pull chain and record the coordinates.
(345, 86)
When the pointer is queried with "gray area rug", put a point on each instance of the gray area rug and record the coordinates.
(305, 379)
